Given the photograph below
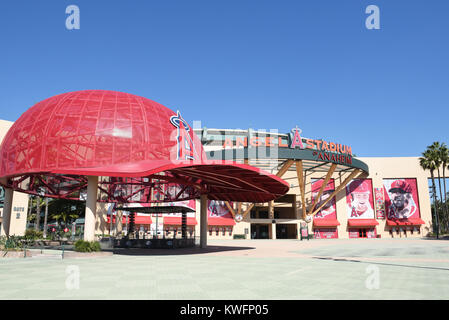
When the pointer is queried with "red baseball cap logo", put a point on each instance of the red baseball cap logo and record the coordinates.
(400, 186)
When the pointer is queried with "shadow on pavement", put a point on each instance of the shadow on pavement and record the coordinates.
(175, 251)
(379, 263)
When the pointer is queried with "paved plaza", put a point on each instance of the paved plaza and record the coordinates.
(241, 269)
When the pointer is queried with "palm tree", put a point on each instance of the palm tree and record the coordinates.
(427, 162)
(65, 216)
(436, 150)
(38, 202)
(444, 157)
(441, 153)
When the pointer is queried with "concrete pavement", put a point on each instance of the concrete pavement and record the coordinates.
(242, 269)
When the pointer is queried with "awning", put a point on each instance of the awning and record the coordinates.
(137, 220)
(405, 222)
(220, 222)
(325, 223)
(177, 221)
(362, 222)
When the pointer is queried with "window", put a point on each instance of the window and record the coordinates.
(230, 231)
(362, 233)
(263, 214)
(210, 231)
(224, 231)
(216, 232)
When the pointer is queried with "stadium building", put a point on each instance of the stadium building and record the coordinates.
(332, 193)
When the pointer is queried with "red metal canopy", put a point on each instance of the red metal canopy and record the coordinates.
(219, 221)
(325, 222)
(142, 151)
(177, 221)
(405, 222)
(362, 222)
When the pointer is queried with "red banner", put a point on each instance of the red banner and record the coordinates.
(380, 203)
(326, 233)
(359, 199)
(219, 214)
(401, 199)
(329, 210)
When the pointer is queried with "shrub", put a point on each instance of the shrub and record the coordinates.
(239, 236)
(31, 234)
(87, 246)
(11, 243)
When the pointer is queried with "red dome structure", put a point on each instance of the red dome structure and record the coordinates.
(142, 152)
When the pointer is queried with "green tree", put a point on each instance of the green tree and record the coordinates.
(37, 203)
(65, 211)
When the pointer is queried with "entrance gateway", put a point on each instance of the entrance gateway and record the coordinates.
(317, 169)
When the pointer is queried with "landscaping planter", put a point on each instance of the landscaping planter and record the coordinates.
(12, 254)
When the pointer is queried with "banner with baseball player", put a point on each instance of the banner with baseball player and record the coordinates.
(359, 199)
(401, 198)
(329, 210)
(218, 209)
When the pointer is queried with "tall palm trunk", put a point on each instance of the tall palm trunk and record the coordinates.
(446, 216)
(435, 203)
(30, 209)
(38, 213)
(441, 196)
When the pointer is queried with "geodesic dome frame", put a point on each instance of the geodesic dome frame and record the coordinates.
(142, 152)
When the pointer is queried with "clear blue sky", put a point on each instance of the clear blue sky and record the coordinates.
(239, 64)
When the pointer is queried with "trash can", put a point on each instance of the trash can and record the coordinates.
(304, 231)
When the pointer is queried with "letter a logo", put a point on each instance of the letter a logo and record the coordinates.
(296, 138)
(185, 147)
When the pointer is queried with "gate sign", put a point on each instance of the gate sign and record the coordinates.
(380, 203)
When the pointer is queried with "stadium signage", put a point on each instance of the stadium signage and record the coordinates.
(324, 150)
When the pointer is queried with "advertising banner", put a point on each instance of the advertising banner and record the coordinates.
(359, 199)
(219, 214)
(380, 203)
(329, 210)
(326, 233)
(401, 198)
(218, 209)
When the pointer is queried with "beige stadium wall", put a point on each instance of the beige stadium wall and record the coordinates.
(379, 169)
(20, 200)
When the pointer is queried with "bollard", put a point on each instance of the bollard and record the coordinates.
(63, 251)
